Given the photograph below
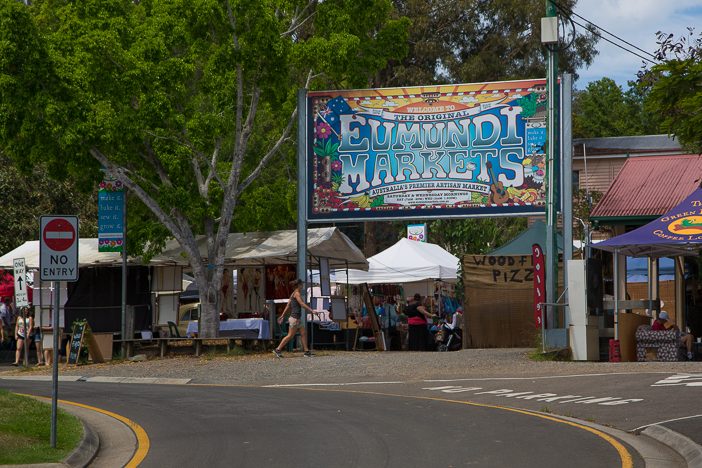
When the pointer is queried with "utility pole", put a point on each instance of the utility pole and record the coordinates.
(549, 36)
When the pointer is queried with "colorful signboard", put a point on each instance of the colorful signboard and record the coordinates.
(110, 216)
(417, 152)
(417, 232)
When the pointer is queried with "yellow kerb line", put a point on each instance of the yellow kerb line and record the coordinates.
(143, 443)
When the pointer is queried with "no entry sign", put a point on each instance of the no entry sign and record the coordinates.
(58, 249)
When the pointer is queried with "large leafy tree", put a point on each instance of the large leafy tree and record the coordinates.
(604, 109)
(185, 102)
(675, 95)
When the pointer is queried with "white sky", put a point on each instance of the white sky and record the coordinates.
(636, 21)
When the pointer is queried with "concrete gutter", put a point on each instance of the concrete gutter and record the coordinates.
(684, 446)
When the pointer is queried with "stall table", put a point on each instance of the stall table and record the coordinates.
(253, 329)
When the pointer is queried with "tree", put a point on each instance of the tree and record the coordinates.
(673, 86)
(463, 41)
(604, 109)
(185, 102)
(27, 196)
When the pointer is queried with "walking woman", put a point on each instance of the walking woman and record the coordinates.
(23, 327)
(294, 306)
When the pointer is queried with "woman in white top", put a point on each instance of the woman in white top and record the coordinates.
(23, 327)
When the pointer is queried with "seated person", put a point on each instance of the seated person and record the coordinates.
(663, 323)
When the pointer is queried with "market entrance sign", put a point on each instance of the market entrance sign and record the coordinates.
(58, 249)
(432, 151)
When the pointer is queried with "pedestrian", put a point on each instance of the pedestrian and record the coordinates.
(37, 338)
(5, 320)
(294, 306)
(417, 316)
(23, 327)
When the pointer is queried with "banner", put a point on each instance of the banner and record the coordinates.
(539, 283)
(455, 150)
(110, 216)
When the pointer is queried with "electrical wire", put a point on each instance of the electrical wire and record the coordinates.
(567, 13)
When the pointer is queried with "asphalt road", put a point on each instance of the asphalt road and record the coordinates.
(390, 425)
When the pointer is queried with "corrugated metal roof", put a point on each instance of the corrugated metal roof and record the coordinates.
(626, 146)
(650, 186)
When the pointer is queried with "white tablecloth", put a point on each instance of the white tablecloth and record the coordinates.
(232, 325)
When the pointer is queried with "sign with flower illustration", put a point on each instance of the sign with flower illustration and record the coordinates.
(417, 152)
(110, 216)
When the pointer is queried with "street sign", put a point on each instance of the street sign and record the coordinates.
(21, 298)
(58, 248)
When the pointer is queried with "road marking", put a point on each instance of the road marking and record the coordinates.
(638, 429)
(344, 384)
(545, 397)
(543, 377)
(624, 454)
(143, 443)
(686, 380)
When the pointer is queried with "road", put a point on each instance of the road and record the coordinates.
(416, 424)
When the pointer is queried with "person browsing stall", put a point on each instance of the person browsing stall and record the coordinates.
(417, 316)
(294, 306)
(663, 323)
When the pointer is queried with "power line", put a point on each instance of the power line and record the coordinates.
(569, 12)
(614, 43)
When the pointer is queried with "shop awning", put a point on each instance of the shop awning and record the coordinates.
(677, 232)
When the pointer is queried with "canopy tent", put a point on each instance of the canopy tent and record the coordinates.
(406, 262)
(522, 244)
(278, 247)
(243, 249)
(678, 232)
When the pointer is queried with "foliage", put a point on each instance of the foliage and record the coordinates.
(28, 195)
(25, 426)
(603, 109)
(185, 103)
(473, 41)
(673, 86)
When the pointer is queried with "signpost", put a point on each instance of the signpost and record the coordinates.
(58, 261)
(21, 297)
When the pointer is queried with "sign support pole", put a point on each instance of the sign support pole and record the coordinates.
(124, 278)
(552, 181)
(54, 364)
(302, 192)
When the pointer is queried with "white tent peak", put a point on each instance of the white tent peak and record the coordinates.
(406, 262)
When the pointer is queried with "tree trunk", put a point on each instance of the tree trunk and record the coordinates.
(209, 319)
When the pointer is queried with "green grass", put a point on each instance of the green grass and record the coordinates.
(25, 429)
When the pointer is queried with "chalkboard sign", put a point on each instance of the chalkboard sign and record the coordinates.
(375, 325)
(77, 337)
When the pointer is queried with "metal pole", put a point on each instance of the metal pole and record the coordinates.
(54, 370)
(124, 276)
(567, 193)
(27, 331)
(302, 192)
(552, 178)
(616, 294)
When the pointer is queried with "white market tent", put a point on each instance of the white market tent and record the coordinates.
(243, 249)
(406, 262)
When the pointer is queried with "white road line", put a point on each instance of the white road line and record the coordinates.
(330, 384)
(544, 377)
(666, 421)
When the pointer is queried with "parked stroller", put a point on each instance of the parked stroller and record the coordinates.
(449, 338)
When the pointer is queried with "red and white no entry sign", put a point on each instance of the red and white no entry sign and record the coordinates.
(58, 248)
(59, 234)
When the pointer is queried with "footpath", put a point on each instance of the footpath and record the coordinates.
(110, 442)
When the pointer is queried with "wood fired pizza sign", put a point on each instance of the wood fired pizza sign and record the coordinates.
(458, 150)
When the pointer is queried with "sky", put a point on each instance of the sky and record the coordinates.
(635, 21)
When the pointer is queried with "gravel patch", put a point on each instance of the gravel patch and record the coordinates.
(343, 366)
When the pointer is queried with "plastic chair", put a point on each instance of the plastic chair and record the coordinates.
(173, 330)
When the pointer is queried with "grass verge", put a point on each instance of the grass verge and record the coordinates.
(25, 430)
